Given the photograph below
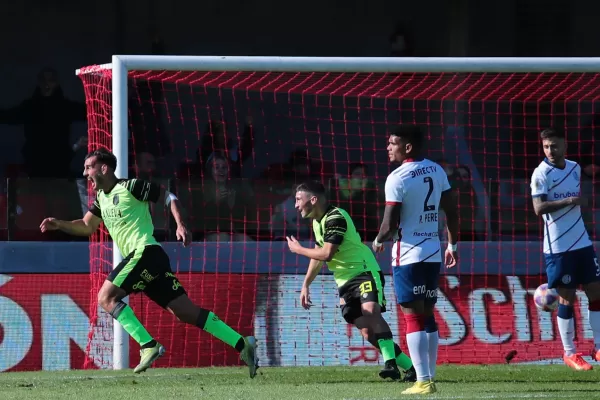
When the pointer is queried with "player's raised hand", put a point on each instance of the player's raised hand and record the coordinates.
(184, 235)
(49, 224)
(293, 244)
(450, 258)
(305, 298)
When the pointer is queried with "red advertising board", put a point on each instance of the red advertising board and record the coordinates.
(44, 322)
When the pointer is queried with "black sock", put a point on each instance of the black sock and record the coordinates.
(397, 350)
(239, 346)
(149, 345)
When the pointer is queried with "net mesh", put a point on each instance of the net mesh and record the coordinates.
(232, 145)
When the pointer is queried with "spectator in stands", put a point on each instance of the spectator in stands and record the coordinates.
(145, 166)
(215, 140)
(147, 105)
(225, 208)
(400, 43)
(357, 194)
(46, 118)
(460, 181)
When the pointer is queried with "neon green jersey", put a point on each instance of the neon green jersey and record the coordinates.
(126, 213)
(352, 257)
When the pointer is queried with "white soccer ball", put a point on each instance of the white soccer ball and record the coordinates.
(545, 299)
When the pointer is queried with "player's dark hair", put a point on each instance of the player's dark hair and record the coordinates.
(410, 134)
(312, 187)
(551, 133)
(104, 156)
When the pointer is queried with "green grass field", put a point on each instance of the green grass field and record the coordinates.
(454, 382)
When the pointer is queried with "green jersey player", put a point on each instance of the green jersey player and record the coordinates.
(122, 204)
(355, 270)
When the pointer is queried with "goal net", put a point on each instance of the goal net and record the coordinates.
(232, 145)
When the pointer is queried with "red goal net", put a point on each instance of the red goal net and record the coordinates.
(232, 145)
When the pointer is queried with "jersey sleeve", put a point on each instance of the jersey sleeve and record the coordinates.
(143, 190)
(335, 229)
(394, 190)
(95, 209)
(539, 184)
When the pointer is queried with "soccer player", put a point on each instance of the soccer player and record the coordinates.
(568, 251)
(356, 273)
(122, 204)
(414, 193)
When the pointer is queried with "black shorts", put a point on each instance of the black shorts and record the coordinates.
(148, 270)
(363, 288)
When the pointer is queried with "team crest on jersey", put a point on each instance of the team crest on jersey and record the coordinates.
(116, 199)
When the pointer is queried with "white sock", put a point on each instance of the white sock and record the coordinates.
(418, 345)
(433, 339)
(566, 327)
(594, 317)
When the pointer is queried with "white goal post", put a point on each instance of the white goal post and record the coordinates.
(122, 64)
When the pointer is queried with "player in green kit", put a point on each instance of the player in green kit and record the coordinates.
(122, 204)
(356, 272)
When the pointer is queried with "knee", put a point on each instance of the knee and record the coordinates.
(107, 300)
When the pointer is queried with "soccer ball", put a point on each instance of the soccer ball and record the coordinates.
(545, 299)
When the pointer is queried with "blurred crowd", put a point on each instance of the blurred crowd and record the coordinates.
(221, 204)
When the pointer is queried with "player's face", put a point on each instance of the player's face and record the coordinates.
(397, 149)
(554, 149)
(94, 172)
(305, 203)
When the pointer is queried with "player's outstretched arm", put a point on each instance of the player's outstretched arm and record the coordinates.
(543, 206)
(174, 205)
(79, 227)
(314, 267)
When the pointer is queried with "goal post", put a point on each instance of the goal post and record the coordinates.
(122, 65)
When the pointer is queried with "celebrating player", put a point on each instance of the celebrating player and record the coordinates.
(356, 273)
(414, 193)
(123, 206)
(568, 250)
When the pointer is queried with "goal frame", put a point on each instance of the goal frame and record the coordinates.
(122, 64)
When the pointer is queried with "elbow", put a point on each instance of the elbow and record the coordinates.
(537, 211)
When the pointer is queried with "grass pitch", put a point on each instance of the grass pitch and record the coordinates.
(314, 383)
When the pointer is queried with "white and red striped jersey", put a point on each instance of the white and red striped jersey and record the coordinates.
(418, 186)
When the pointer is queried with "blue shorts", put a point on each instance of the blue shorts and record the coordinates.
(418, 281)
(572, 268)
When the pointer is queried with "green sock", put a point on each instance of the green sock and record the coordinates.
(133, 326)
(386, 346)
(402, 360)
(222, 331)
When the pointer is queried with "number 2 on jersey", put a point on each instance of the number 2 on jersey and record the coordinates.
(428, 207)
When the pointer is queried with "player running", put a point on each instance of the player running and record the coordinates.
(568, 250)
(356, 273)
(123, 206)
(414, 193)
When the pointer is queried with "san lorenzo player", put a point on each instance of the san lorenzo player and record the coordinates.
(414, 193)
(122, 204)
(570, 256)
